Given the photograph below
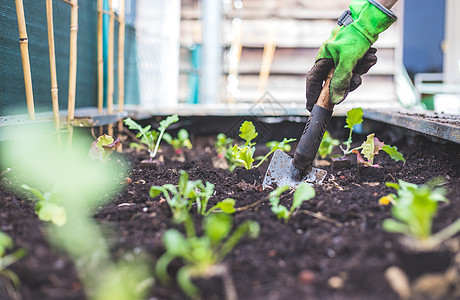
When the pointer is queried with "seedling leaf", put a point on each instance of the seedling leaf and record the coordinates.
(393, 152)
(217, 227)
(303, 193)
(248, 132)
(354, 117)
(168, 121)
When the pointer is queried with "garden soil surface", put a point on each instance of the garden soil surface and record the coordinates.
(340, 253)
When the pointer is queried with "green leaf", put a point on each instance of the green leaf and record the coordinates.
(133, 125)
(243, 155)
(182, 135)
(327, 145)
(248, 132)
(155, 191)
(217, 227)
(354, 117)
(168, 121)
(5, 243)
(227, 205)
(280, 211)
(175, 243)
(52, 212)
(303, 193)
(391, 225)
(393, 152)
(36, 192)
(168, 138)
(183, 181)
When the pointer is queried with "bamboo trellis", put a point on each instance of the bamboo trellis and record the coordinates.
(72, 66)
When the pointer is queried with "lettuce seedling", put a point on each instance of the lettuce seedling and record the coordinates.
(327, 145)
(47, 207)
(302, 193)
(414, 207)
(371, 147)
(244, 154)
(151, 138)
(182, 141)
(273, 146)
(188, 192)
(200, 254)
(102, 148)
(354, 117)
(6, 260)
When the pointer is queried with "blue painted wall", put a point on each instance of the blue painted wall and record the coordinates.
(423, 35)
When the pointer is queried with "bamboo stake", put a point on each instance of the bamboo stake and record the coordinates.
(72, 66)
(121, 56)
(24, 45)
(110, 74)
(100, 58)
(110, 80)
(54, 85)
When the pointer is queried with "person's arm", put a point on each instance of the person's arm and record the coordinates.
(388, 3)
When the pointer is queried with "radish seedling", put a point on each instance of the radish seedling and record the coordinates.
(151, 138)
(102, 148)
(181, 198)
(414, 207)
(47, 207)
(223, 145)
(201, 254)
(182, 141)
(6, 260)
(302, 193)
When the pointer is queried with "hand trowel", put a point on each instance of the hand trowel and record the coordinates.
(285, 170)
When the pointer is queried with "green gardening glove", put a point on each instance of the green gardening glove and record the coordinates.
(348, 50)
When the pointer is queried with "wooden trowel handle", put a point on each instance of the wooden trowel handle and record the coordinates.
(324, 98)
(314, 129)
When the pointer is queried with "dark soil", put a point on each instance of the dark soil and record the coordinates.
(287, 261)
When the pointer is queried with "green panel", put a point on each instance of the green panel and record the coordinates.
(12, 92)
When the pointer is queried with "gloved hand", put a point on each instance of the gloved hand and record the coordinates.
(348, 50)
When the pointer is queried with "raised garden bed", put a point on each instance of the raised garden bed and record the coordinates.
(338, 252)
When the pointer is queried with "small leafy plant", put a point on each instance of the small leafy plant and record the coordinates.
(327, 145)
(244, 154)
(223, 145)
(201, 254)
(414, 207)
(302, 193)
(273, 146)
(180, 198)
(48, 206)
(150, 137)
(182, 141)
(102, 148)
(6, 260)
(371, 146)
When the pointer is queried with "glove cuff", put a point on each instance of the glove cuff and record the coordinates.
(373, 20)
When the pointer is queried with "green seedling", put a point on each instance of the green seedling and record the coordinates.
(150, 137)
(200, 254)
(273, 146)
(6, 260)
(48, 206)
(102, 148)
(243, 155)
(371, 146)
(182, 141)
(354, 117)
(180, 198)
(327, 145)
(414, 207)
(302, 193)
(222, 145)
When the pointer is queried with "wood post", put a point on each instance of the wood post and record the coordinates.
(100, 58)
(110, 80)
(267, 59)
(52, 54)
(72, 66)
(24, 45)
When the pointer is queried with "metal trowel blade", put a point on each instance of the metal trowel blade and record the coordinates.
(282, 172)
